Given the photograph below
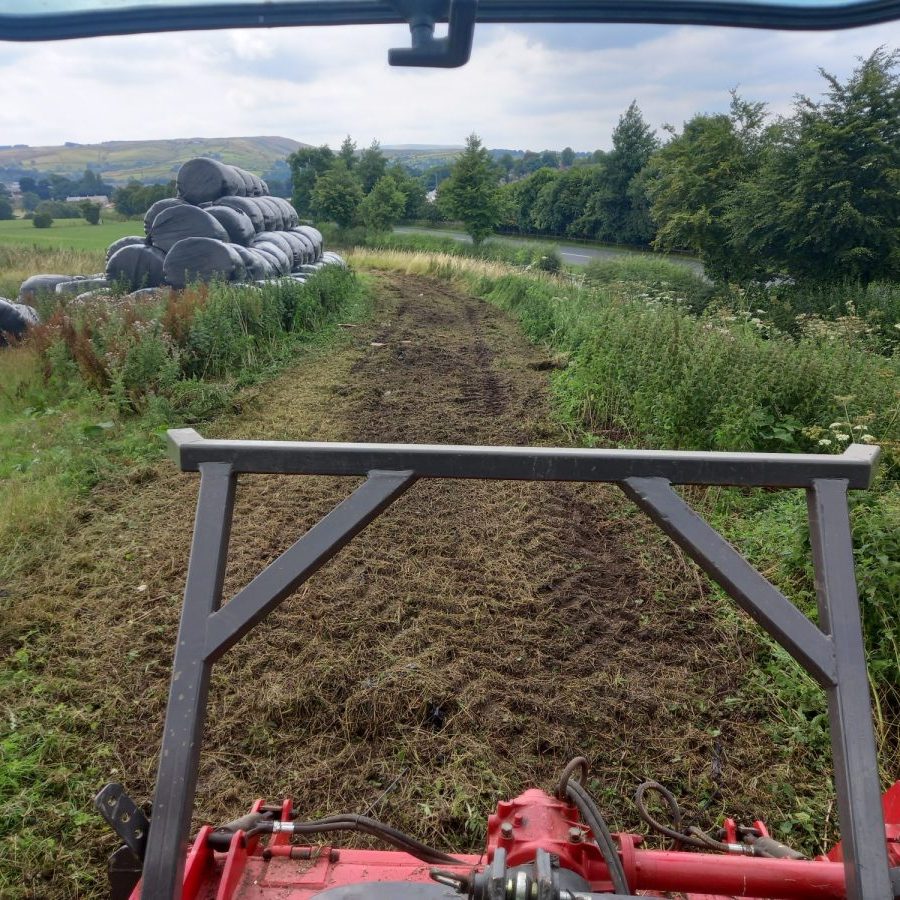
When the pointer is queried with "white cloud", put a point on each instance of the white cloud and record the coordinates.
(528, 87)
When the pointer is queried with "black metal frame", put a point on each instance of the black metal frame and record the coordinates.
(258, 14)
(832, 652)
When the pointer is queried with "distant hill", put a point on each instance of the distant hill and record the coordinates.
(149, 161)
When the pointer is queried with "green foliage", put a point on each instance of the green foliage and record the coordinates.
(307, 164)
(383, 206)
(136, 198)
(825, 203)
(692, 182)
(471, 194)
(6, 210)
(347, 152)
(617, 210)
(42, 220)
(336, 195)
(91, 212)
(371, 167)
(58, 209)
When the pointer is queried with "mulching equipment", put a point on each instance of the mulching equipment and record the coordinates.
(539, 846)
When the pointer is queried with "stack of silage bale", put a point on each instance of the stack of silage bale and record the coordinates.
(223, 225)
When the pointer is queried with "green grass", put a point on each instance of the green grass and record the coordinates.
(75, 234)
(87, 399)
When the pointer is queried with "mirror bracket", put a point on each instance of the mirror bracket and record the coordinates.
(448, 52)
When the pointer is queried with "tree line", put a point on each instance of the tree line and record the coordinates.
(352, 187)
(814, 195)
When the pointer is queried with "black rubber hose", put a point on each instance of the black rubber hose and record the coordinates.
(356, 823)
(676, 833)
(592, 817)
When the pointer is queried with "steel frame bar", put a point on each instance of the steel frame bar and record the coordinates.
(832, 652)
(257, 14)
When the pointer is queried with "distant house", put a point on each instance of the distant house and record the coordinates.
(101, 199)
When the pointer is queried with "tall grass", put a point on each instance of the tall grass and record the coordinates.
(20, 262)
(88, 391)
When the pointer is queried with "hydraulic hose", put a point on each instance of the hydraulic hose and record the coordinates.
(575, 793)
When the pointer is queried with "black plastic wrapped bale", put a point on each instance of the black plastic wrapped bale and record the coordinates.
(235, 221)
(180, 222)
(202, 259)
(82, 285)
(259, 266)
(247, 205)
(271, 213)
(136, 266)
(280, 238)
(283, 260)
(32, 287)
(248, 180)
(314, 235)
(332, 258)
(288, 213)
(310, 248)
(157, 208)
(15, 319)
(298, 246)
(200, 180)
(272, 257)
(130, 240)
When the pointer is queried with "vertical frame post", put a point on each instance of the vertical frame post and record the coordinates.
(176, 778)
(849, 703)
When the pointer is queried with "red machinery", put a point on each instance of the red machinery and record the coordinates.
(538, 847)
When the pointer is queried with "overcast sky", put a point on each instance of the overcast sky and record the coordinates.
(525, 87)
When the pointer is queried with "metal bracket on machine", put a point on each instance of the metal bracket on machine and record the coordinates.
(448, 52)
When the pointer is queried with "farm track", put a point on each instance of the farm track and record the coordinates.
(471, 641)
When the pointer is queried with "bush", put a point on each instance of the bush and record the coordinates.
(550, 261)
(42, 220)
(91, 212)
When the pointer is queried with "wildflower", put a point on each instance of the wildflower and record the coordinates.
(867, 439)
(824, 442)
(834, 425)
(841, 436)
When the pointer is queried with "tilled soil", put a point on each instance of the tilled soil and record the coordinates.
(464, 647)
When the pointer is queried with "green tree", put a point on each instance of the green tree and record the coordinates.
(348, 152)
(42, 220)
(413, 189)
(825, 202)
(383, 206)
(507, 164)
(617, 211)
(692, 181)
(91, 212)
(30, 201)
(567, 157)
(371, 166)
(307, 164)
(337, 195)
(471, 193)
(6, 209)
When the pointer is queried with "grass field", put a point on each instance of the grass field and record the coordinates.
(69, 233)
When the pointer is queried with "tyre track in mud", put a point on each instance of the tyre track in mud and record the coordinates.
(471, 640)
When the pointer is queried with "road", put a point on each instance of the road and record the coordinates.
(573, 254)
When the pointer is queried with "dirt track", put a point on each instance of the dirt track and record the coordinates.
(471, 641)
